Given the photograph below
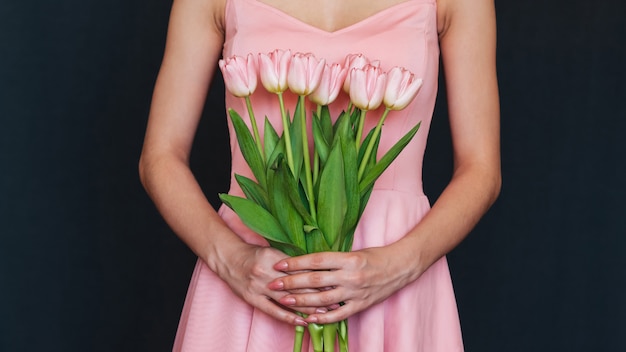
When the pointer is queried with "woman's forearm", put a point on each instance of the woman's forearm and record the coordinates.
(180, 200)
(469, 195)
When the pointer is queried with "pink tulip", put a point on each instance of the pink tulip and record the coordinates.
(305, 73)
(367, 87)
(332, 80)
(274, 67)
(402, 87)
(240, 74)
(356, 61)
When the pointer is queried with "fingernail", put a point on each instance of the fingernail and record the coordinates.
(288, 301)
(320, 310)
(281, 266)
(276, 285)
(312, 319)
(300, 321)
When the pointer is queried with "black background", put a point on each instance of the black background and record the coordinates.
(87, 264)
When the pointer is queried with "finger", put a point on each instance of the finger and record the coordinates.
(322, 299)
(275, 298)
(312, 310)
(305, 282)
(274, 310)
(314, 261)
(333, 316)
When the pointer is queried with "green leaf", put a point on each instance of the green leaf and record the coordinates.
(316, 242)
(281, 185)
(326, 124)
(346, 246)
(354, 117)
(256, 218)
(331, 201)
(353, 197)
(278, 153)
(286, 248)
(300, 202)
(342, 127)
(365, 197)
(270, 138)
(372, 175)
(321, 143)
(253, 191)
(366, 141)
(295, 130)
(343, 116)
(248, 148)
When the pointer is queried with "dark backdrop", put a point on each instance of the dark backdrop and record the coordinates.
(87, 264)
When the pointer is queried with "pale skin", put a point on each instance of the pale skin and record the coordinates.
(316, 283)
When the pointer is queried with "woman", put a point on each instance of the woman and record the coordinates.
(395, 284)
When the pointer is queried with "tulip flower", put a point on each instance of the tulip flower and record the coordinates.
(367, 87)
(240, 74)
(402, 87)
(305, 73)
(356, 61)
(332, 80)
(274, 67)
(240, 78)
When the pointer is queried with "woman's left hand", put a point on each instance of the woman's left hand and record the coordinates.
(348, 282)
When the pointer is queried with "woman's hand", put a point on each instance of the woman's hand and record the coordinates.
(249, 272)
(349, 282)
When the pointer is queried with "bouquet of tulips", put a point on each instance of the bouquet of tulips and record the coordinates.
(301, 205)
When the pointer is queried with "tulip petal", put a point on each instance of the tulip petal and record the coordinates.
(401, 89)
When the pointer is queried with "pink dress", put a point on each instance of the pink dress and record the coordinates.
(421, 317)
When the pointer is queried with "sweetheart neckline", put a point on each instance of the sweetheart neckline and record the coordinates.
(339, 30)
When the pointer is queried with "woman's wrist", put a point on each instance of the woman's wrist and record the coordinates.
(406, 260)
(222, 255)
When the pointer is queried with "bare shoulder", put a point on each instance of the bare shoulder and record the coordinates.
(463, 13)
(207, 13)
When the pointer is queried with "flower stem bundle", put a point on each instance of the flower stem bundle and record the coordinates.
(301, 205)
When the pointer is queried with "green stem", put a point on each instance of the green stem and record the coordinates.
(371, 143)
(359, 132)
(255, 129)
(343, 336)
(330, 336)
(307, 159)
(317, 338)
(286, 125)
(316, 157)
(297, 341)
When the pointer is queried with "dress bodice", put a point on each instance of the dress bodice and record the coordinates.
(401, 35)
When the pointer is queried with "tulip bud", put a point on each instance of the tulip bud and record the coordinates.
(274, 67)
(367, 87)
(401, 89)
(305, 73)
(356, 61)
(331, 83)
(240, 74)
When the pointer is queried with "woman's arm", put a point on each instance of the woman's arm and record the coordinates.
(194, 45)
(363, 278)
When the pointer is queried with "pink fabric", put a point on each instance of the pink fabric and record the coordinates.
(421, 317)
